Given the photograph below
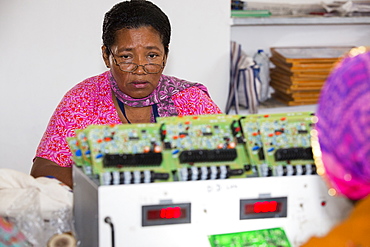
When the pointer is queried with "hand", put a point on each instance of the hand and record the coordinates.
(44, 167)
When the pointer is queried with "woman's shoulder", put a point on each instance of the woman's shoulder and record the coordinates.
(176, 80)
(90, 92)
(94, 84)
(181, 85)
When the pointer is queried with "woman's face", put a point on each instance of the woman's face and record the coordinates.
(140, 46)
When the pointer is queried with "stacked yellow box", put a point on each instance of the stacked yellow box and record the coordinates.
(300, 72)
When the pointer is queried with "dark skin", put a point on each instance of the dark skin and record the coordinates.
(43, 167)
(141, 45)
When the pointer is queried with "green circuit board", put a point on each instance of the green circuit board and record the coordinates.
(253, 141)
(196, 148)
(206, 147)
(286, 144)
(75, 150)
(126, 154)
(274, 237)
(80, 151)
(254, 144)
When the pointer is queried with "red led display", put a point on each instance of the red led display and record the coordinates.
(163, 214)
(166, 213)
(171, 213)
(263, 208)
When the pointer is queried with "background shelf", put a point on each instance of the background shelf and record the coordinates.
(298, 20)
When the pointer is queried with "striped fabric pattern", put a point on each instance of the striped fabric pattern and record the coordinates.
(244, 86)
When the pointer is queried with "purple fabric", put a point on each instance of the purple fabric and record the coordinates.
(167, 87)
(344, 126)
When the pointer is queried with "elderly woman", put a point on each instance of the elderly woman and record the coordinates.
(136, 37)
(343, 132)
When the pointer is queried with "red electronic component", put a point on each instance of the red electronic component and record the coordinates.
(146, 149)
(231, 145)
(157, 149)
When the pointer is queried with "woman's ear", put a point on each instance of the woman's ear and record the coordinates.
(165, 60)
(105, 54)
(167, 50)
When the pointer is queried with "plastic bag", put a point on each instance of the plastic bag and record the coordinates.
(40, 208)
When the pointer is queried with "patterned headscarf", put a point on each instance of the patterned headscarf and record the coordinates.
(343, 126)
(167, 87)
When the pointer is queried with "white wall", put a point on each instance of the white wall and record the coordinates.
(47, 46)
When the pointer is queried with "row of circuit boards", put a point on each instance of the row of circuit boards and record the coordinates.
(192, 148)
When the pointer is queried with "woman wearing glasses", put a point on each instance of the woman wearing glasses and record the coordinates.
(136, 37)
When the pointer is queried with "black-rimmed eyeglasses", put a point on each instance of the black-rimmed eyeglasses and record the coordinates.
(149, 68)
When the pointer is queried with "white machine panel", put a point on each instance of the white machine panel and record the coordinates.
(113, 215)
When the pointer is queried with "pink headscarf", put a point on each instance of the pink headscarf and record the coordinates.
(344, 125)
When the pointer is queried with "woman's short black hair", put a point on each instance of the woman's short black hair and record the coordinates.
(135, 14)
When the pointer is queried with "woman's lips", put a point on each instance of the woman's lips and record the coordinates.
(139, 84)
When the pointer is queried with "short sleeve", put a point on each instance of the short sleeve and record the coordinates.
(87, 103)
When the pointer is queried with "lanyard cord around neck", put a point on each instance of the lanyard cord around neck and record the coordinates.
(122, 107)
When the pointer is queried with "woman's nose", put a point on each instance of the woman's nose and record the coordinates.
(140, 61)
(140, 70)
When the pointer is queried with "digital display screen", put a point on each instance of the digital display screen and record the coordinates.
(164, 214)
(263, 208)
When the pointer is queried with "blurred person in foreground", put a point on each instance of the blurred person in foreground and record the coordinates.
(341, 146)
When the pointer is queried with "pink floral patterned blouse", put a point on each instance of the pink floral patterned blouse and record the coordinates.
(90, 102)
